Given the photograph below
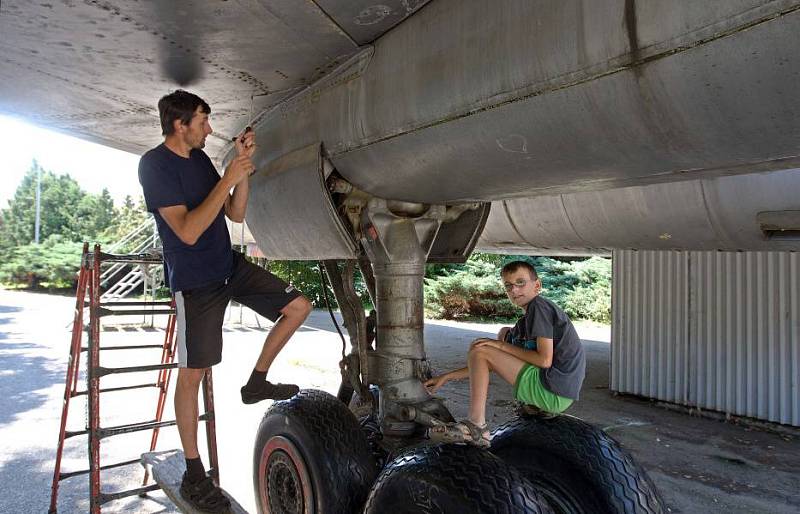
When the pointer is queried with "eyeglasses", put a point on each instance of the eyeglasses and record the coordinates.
(519, 284)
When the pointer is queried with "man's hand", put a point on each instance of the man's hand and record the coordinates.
(246, 143)
(239, 169)
(433, 384)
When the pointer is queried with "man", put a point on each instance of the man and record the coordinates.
(541, 356)
(189, 200)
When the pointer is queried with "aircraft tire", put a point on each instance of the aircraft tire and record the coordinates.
(310, 455)
(579, 468)
(452, 479)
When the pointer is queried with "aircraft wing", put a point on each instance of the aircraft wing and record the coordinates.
(96, 68)
(557, 111)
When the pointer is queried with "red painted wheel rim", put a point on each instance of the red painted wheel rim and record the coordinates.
(282, 471)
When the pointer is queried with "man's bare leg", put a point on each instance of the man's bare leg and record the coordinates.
(196, 487)
(186, 417)
(257, 387)
(293, 315)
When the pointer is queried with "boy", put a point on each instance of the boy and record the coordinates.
(541, 356)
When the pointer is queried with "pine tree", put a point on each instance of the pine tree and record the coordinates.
(130, 215)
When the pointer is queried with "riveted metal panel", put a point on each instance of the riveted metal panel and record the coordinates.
(713, 330)
(366, 20)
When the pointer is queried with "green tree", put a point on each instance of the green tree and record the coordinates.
(590, 297)
(96, 216)
(68, 216)
(58, 213)
(65, 210)
(59, 216)
(129, 216)
(19, 216)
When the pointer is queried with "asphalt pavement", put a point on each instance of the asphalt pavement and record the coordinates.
(700, 465)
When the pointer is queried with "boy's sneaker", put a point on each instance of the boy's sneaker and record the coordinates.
(268, 391)
(204, 495)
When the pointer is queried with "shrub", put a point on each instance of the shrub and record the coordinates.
(591, 296)
(473, 290)
(55, 262)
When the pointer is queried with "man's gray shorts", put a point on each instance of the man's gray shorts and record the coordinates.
(201, 311)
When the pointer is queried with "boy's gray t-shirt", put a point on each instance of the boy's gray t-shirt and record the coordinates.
(543, 318)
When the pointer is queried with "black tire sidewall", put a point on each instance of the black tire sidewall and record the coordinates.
(330, 443)
(452, 479)
(581, 465)
(278, 425)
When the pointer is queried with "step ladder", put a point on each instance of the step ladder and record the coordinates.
(88, 294)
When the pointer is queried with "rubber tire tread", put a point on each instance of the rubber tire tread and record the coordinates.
(581, 461)
(452, 479)
(332, 444)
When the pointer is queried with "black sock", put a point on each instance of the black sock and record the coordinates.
(256, 378)
(195, 470)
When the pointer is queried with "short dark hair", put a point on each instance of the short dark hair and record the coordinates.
(514, 266)
(179, 105)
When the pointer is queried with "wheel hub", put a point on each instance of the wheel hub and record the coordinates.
(284, 486)
(284, 490)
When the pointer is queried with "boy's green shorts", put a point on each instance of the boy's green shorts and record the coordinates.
(529, 389)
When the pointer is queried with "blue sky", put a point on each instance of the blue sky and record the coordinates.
(92, 165)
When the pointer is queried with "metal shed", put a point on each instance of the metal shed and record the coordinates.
(713, 330)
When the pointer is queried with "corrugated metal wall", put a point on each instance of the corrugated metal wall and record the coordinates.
(716, 330)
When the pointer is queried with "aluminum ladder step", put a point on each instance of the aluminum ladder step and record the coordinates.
(167, 469)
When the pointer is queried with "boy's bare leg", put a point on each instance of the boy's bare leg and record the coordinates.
(294, 314)
(186, 410)
(481, 360)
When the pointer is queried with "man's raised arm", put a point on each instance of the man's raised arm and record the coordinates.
(190, 225)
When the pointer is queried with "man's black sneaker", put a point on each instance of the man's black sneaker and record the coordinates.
(268, 391)
(204, 495)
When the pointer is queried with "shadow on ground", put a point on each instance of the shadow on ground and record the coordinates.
(22, 375)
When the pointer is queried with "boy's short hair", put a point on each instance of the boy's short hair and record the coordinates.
(514, 266)
(179, 105)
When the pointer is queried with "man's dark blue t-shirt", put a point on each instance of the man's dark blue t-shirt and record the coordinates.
(168, 179)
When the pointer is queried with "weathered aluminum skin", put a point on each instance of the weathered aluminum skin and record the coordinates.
(366, 21)
(461, 101)
(96, 68)
(468, 101)
(711, 214)
(300, 220)
(714, 330)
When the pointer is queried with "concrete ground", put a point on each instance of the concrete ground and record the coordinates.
(699, 464)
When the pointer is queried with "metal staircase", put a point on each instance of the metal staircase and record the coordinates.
(143, 239)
